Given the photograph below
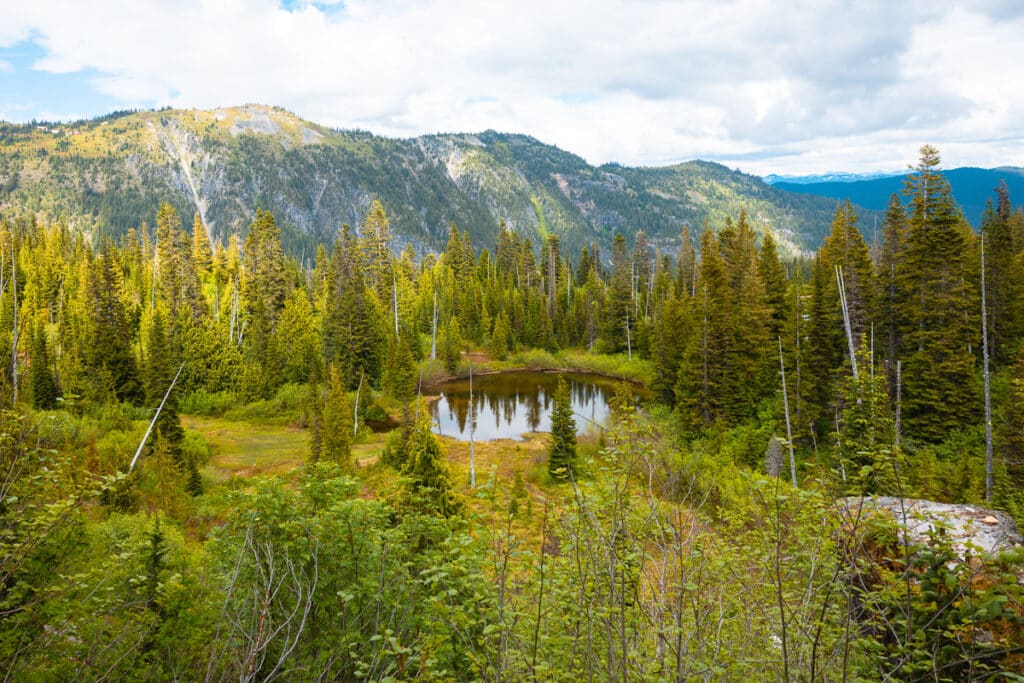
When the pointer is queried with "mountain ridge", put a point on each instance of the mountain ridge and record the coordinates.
(972, 187)
(109, 174)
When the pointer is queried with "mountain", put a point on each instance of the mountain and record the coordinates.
(833, 177)
(972, 187)
(110, 174)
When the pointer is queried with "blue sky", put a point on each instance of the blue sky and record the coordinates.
(770, 87)
(27, 93)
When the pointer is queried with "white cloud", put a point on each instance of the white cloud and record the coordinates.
(786, 87)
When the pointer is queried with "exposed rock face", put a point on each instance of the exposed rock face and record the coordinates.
(968, 527)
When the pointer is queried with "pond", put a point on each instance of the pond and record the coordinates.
(509, 404)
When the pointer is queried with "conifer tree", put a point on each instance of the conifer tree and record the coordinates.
(264, 282)
(773, 275)
(562, 450)
(505, 253)
(584, 267)
(891, 297)
(686, 277)
(617, 315)
(335, 435)
(169, 437)
(1003, 278)
(352, 327)
(827, 351)
(451, 344)
(375, 248)
(940, 387)
(177, 282)
(399, 380)
(500, 337)
(1009, 434)
(113, 330)
(296, 342)
(44, 385)
(672, 330)
(427, 476)
(867, 454)
(701, 385)
(202, 252)
(749, 365)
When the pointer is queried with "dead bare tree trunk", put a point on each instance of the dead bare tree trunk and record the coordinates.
(629, 341)
(394, 297)
(840, 281)
(789, 427)
(14, 336)
(899, 401)
(355, 410)
(152, 422)
(152, 277)
(988, 381)
(472, 425)
(433, 332)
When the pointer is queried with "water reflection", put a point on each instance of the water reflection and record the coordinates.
(507, 405)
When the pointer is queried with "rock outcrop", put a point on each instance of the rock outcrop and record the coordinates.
(969, 527)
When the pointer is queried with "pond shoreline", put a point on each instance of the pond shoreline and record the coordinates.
(485, 370)
(511, 402)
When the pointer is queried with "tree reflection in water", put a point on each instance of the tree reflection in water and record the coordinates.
(510, 404)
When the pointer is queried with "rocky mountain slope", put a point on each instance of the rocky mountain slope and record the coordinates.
(109, 174)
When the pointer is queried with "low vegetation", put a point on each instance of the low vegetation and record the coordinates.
(265, 531)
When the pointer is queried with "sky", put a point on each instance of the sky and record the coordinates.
(767, 86)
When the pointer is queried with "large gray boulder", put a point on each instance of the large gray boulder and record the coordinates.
(968, 527)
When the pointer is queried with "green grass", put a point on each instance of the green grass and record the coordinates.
(617, 366)
(246, 449)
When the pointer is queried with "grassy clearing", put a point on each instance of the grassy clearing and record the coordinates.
(247, 449)
(242, 448)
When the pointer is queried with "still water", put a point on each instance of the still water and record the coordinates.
(510, 404)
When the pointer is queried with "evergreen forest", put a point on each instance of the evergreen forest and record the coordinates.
(217, 460)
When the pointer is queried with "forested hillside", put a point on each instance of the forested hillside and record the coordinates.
(108, 175)
(190, 488)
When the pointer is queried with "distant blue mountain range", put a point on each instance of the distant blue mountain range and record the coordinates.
(833, 177)
(972, 187)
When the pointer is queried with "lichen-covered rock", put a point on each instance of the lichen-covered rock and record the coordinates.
(968, 527)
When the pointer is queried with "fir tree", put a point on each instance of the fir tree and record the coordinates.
(500, 337)
(202, 252)
(44, 385)
(264, 288)
(113, 329)
(562, 450)
(701, 381)
(866, 442)
(335, 436)
(375, 247)
(399, 380)
(169, 435)
(353, 325)
(427, 476)
(177, 282)
(749, 367)
(891, 296)
(1003, 288)
(451, 344)
(1009, 438)
(773, 275)
(940, 387)
(618, 313)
